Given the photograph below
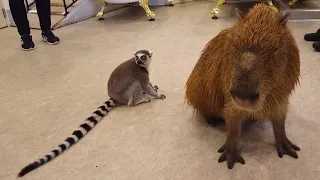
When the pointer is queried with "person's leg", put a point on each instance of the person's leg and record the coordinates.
(19, 15)
(44, 14)
(20, 18)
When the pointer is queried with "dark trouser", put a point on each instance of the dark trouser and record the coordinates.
(20, 18)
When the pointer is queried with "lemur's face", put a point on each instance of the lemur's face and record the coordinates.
(143, 57)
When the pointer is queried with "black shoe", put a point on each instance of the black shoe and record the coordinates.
(312, 36)
(50, 38)
(316, 46)
(27, 43)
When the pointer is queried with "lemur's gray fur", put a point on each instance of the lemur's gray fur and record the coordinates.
(128, 84)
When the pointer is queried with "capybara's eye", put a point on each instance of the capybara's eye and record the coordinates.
(276, 49)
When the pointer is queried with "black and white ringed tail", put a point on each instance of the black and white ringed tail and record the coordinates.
(82, 130)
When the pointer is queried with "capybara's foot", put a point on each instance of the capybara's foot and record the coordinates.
(231, 155)
(287, 147)
(214, 120)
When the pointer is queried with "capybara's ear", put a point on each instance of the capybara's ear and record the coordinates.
(284, 17)
(239, 13)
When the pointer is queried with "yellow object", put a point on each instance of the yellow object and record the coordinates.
(215, 11)
(103, 7)
(291, 3)
(270, 3)
(142, 3)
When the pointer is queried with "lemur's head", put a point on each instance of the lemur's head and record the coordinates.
(143, 58)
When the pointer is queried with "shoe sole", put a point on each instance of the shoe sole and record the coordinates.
(44, 40)
(30, 49)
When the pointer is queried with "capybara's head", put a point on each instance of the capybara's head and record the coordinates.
(256, 47)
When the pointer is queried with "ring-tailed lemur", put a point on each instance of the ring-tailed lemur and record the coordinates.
(128, 84)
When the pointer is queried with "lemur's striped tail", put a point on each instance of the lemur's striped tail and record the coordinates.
(74, 138)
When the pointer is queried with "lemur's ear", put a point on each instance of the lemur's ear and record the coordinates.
(151, 53)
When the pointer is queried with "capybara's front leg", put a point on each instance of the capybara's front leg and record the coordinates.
(283, 144)
(230, 150)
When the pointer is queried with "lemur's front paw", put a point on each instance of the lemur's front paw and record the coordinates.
(156, 88)
(162, 96)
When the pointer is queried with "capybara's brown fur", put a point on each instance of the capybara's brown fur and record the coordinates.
(248, 71)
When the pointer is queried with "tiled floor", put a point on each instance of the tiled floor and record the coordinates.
(46, 93)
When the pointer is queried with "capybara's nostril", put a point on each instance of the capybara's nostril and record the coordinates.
(233, 93)
(253, 96)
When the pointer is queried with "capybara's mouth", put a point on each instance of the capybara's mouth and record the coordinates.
(246, 104)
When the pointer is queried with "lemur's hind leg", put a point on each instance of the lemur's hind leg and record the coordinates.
(103, 7)
(143, 99)
(145, 5)
(136, 95)
(152, 91)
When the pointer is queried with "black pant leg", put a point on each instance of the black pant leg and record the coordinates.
(19, 15)
(44, 14)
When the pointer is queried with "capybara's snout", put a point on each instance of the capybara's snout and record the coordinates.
(251, 96)
(247, 99)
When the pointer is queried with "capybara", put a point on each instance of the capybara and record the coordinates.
(248, 71)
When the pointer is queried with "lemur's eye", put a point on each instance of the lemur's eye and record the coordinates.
(143, 57)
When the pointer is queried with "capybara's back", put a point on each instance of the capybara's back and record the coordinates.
(247, 71)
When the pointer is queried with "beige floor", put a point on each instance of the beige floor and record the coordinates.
(48, 92)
